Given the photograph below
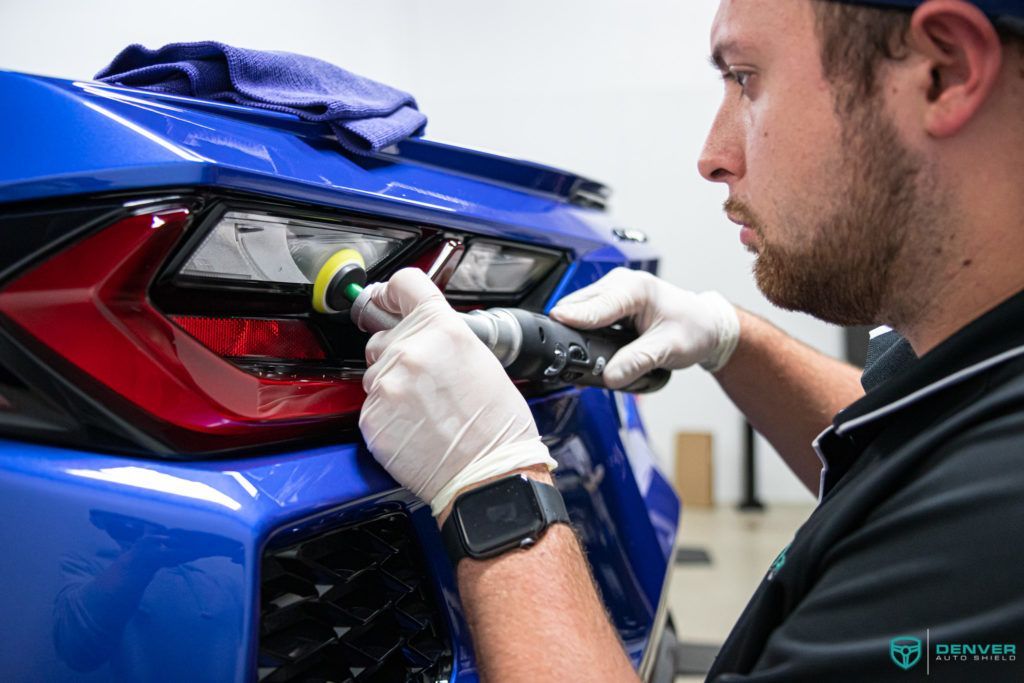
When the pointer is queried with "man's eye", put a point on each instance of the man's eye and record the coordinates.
(741, 77)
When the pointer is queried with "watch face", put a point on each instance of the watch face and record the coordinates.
(498, 515)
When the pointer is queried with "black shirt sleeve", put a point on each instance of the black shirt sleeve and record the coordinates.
(941, 559)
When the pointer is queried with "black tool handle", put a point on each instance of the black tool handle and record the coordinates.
(553, 352)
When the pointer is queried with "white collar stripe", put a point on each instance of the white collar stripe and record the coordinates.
(930, 389)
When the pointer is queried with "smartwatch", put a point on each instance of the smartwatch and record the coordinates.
(512, 512)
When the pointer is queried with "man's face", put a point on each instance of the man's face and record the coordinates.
(824, 200)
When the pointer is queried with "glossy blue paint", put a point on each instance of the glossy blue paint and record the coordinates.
(68, 514)
(132, 569)
(140, 140)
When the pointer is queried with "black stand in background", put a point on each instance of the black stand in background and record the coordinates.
(750, 502)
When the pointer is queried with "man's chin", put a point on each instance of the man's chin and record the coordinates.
(791, 287)
(820, 305)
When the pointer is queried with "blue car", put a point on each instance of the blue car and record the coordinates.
(184, 491)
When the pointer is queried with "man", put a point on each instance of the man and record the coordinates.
(874, 161)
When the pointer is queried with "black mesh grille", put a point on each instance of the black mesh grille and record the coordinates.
(351, 605)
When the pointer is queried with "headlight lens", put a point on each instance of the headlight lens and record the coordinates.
(264, 248)
(493, 268)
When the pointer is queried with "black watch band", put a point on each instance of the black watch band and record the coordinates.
(512, 512)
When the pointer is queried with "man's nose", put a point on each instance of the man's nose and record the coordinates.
(722, 159)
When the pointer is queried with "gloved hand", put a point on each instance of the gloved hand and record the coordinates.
(677, 328)
(440, 413)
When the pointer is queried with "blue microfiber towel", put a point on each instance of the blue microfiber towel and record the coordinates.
(366, 116)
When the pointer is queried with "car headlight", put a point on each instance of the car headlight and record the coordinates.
(265, 248)
(495, 268)
(193, 316)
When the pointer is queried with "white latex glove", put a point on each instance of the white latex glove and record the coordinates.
(678, 328)
(440, 413)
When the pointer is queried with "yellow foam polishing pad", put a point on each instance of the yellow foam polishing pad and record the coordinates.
(324, 278)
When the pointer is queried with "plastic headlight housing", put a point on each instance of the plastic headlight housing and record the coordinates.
(495, 268)
(182, 324)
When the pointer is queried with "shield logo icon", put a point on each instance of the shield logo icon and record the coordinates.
(905, 651)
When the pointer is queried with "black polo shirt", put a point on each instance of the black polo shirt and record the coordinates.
(912, 565)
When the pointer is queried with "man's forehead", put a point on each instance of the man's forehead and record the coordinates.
(741, 26)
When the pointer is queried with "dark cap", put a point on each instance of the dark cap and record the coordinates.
(993, 8)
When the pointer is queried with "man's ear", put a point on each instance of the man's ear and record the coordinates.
(963, 52)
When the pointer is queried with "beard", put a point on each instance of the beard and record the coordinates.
(849, 270)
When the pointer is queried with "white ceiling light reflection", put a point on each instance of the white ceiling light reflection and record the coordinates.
(243, 482)
(140, 477)
(149, 135)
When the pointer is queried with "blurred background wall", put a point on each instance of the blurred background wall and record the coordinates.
(618, 91)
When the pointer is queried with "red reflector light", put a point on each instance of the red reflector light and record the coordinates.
(248, 337)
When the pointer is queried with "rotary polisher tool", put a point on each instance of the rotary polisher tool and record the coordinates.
(529, 346)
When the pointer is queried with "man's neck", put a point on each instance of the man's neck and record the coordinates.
(971, 280)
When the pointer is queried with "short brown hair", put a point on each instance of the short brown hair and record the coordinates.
(856, 39)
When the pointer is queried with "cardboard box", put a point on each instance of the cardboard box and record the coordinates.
(694, 475)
